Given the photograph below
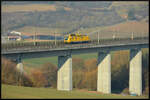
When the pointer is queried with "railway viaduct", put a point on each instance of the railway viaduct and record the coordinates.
(64, 79)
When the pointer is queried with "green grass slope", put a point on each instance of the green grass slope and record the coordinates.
(37, 62)
(9, 91)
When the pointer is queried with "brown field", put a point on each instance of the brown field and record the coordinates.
(121, 30)
(131, 3)
(28, 7)
(124, 29)
(130, 26)
(29, 30)
(124, 6)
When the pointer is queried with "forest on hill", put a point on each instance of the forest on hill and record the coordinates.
(68, 17)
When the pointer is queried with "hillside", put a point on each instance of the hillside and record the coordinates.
(67, 17)
(18, 92)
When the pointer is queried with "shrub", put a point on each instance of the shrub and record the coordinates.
(146, 91)
(11, 76)
(78, 77)
(27, 81)
(78, 64)
(50, 73)
(90, 80)
(38, 78)
(90, 64)
(9, 72)
(125, 91)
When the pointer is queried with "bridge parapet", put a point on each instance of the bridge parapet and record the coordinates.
(60, 44)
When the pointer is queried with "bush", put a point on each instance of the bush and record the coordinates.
(50, 73)
(78, 77)
(9, 72)
(90, 64)
(38, 78)
(78, 64)
(146, 91)
(27, 81)
(90, 80)
(125, 91)
(120, 71)
(90, 74)
(11, 76)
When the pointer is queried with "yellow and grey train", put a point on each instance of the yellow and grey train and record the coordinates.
(76, 38)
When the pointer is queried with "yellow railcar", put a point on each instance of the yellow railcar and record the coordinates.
(76, 38)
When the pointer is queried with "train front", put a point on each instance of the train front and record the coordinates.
(66, 39)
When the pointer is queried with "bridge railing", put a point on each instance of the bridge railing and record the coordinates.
(60, 43)
(95, 41)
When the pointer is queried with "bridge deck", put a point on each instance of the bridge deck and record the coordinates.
(18, 48)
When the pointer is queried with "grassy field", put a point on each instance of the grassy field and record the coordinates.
(37, 62)
(9, 91)
(30, 64)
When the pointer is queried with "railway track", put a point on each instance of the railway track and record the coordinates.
(61, 44)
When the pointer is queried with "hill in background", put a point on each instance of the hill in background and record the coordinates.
(45, 17)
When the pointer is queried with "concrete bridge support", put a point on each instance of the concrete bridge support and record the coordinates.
(19, 65)
(104, 72)
(64, 74)
(135, 74)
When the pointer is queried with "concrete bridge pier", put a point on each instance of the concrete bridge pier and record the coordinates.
(64, 74)
(135, 74)
(19, 65)
(104, 72)
(19, 74)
